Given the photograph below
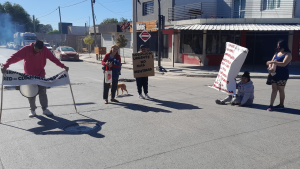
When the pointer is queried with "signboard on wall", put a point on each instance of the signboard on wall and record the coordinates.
(140, 26)
(232, 62)
(143, 64)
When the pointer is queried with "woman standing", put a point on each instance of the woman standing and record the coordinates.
(281, 59)
(142, 82)
(112, 60)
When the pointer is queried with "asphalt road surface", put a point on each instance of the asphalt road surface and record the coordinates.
(180, 127)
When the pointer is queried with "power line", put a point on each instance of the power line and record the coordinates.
(112, 11)
(72, 19)
(73, 4)
(47, 14)
(111, 2)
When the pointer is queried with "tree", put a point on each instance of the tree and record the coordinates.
(109, 20)
(45, 28)
(123, 20)
(14, 18)
(122, 42)
(88, 40)
(54, 32)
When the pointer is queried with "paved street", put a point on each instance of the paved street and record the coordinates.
(180, 127)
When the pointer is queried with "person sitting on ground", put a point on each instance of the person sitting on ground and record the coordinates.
(245, 94)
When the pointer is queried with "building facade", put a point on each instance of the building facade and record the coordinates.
(196, 31)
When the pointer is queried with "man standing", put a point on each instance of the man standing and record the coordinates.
(142, 82)
(35, 56)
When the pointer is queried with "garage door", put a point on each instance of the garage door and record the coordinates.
(107, 41)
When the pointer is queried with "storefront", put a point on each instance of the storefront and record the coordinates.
(206, 43)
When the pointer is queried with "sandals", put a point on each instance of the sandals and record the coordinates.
(106, 101)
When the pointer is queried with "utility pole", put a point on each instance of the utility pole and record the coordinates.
(93, 1)
(33, 24)
(95, 33)
(134, 15)
(159, 36)
(60, 25)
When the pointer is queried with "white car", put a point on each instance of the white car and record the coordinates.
(48, 46)
(10, 45)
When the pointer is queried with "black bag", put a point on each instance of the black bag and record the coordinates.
(270, 79)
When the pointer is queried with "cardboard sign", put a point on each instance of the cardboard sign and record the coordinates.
(232, 62)
(100, 50)
(143, 64)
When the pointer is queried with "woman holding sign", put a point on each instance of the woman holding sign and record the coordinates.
(281, 59)
(111, 61)
(142, 82)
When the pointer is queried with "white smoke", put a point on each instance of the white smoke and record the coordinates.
(8, 28)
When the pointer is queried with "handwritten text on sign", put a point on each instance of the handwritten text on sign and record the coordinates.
(16, 78)
(231, 64)
(143, 64)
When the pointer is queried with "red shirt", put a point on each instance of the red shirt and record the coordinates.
(106, 57)
(34, 63)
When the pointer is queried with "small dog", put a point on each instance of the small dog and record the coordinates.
(121, 86)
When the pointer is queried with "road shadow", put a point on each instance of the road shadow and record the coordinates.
(142, 108)
(47, 124)
(124, 95)
(286, 110)
(175, 105)
(58, 105)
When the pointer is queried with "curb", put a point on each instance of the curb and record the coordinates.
(194, 75)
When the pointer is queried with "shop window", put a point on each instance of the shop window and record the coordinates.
(270, 4)
(216, 41)
(191, 42)
(148, 8)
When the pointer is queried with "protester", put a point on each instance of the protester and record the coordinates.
(142, 82)
(245, 94)
(112, 60)
(35, 56)
(281, 59)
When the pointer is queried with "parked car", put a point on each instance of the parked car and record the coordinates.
(66, 53)
(48, 46)
(10, 45)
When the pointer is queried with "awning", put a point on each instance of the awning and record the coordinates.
(240, 27)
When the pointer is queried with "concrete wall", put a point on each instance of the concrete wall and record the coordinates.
(165, 4)
(77, 30)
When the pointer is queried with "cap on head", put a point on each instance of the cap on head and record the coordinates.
(39, 44)
(246, 74)
(142, 46)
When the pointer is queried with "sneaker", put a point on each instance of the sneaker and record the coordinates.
(279, 107)
(271, 108)
(141, 96)
(220, 102)
(147, 96)
(47, 112)
(32, 114)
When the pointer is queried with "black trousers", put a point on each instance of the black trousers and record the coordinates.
(142, 82)
(113, 89)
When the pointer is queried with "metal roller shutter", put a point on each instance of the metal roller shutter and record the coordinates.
(107, 41)
(127, 49)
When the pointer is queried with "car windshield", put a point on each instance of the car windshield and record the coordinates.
(30, 38)
(46, 44)
(68, 49)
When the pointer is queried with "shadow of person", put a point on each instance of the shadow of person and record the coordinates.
(54, 125)
(286, 110)
(124, 95)
(175, 105)
(142, 108)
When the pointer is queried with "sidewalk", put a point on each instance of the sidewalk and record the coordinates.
(191, 70)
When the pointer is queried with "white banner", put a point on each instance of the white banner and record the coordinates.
(16, 79)
(232, 62)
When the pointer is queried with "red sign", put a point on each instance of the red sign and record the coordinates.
(145, 36)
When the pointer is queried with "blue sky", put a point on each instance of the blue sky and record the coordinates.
(76, 14)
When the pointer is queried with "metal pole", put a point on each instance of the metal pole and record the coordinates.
(173, 46)
(159, 35)
(254, 51)
(61, 38)
(134, 15)
(1, 98)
